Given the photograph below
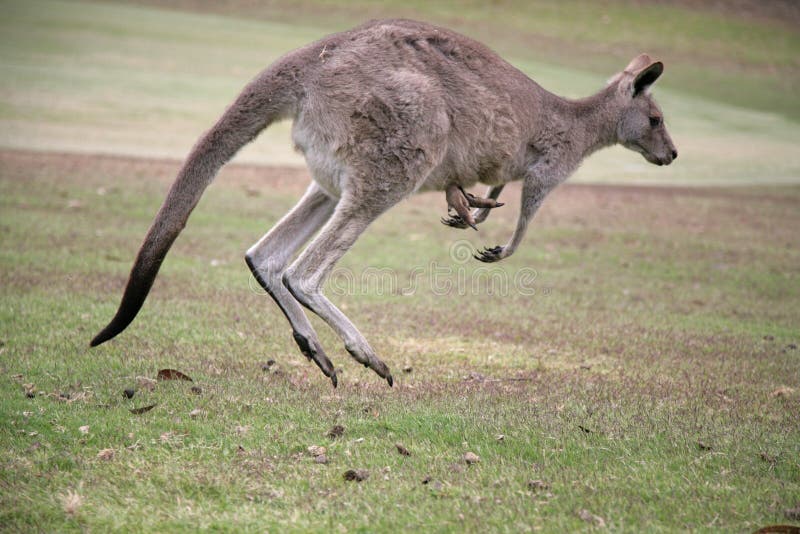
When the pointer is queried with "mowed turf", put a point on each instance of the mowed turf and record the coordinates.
(634, 366)
(641, 373)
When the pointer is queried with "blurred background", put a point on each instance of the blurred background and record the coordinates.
(146, 78)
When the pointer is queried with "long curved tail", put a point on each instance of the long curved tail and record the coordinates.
(266, 99)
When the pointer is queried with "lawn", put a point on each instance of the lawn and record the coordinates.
(633, 367)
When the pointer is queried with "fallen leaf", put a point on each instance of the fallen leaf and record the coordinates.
(408, 369)
(70, 502)
(84, 429)
(703, 446)
(106, 454)
(194, 414)
(336, 431)
(427, 480)
(402, 450)
(172, 374)
(500, 437)
(321, 459)
(783, 391)
(456, 468)
(357, 475)
(242, 430)
(589, 517)
(793, 513)
(538, 485)
(769, 458)
(471, 458)
(778, 529)
(143, 409)
(316, 450)
(142, 382)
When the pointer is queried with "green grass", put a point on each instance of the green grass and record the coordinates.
(662, 318)
(650, 377)
(144, 80)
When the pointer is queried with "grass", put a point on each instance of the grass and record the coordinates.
(638, 355)
(119, 78)
(650, 379)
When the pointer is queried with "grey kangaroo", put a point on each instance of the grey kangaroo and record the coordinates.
(381, 112)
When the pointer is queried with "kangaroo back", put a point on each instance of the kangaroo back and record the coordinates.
(270, 96)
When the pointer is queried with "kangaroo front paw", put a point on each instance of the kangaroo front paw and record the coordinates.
(490, 255)
(458, 201)
(455, 221)
(480, 202)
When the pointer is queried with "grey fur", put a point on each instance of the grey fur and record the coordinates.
(381, 112)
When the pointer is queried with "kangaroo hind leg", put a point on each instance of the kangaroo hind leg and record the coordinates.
(269, 257)
(306, 276)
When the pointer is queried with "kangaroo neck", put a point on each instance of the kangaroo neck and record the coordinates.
(591, 122)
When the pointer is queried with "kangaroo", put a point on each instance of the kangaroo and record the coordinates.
(381, 112)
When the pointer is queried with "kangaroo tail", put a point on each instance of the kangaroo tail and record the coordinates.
(270, 96)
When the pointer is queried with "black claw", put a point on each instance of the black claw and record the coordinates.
(500, 204)
(454, 222)
(334, 379)
(390, 380)
(489, 255)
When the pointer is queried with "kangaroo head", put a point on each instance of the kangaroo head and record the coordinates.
(641, 124)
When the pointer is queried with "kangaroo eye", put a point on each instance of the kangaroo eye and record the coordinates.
(655, 122)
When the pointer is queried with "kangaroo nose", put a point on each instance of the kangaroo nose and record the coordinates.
(674, 154)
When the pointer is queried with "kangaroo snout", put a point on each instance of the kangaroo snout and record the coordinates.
(669, 158)
(672, 156)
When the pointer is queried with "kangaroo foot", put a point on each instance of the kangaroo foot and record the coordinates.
(367, 358)
(313, 351)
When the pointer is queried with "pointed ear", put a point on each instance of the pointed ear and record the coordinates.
(638, 64)
(647, 77)
(640, 74)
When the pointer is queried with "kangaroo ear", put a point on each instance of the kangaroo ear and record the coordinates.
(643, 72)
(647, 77)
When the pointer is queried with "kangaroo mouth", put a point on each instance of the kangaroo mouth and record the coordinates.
(650, 157)
(666, 160)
